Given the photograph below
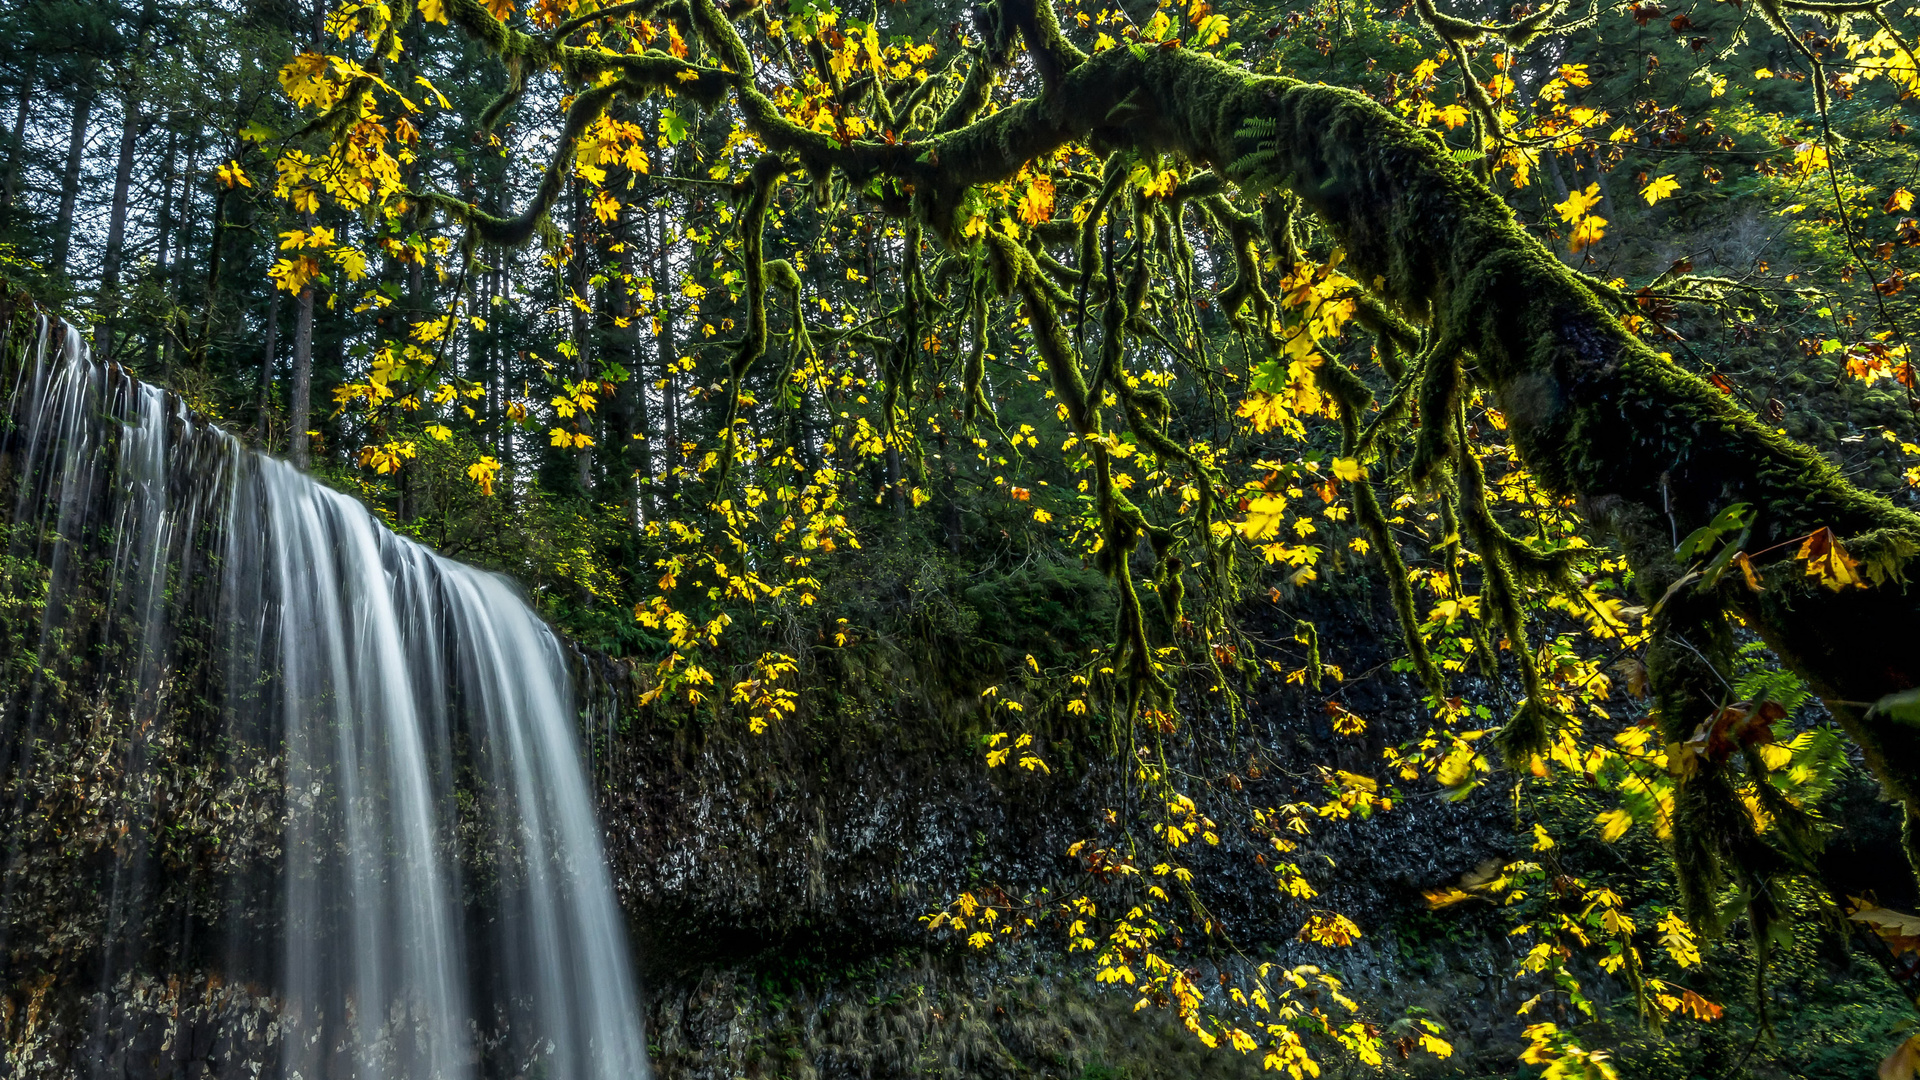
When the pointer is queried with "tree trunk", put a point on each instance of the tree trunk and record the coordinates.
(949, 495)
(302, 390)
(263, 422)
(663, 351)
(111, 259)
(163, 255)
(185, 215)
(17, 147)
(640, 458)
(578, 273)
(626, 410)
(200, 343)
(70, 183)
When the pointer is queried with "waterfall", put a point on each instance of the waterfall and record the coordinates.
(282, 792)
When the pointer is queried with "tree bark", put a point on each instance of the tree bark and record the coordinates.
(114, 255)
(300, 397)
(663, 348)
(162, 245)
(623, 420)
(266, 368)
(70, 182)
(578, 273)
(640, 459)
(17, 147)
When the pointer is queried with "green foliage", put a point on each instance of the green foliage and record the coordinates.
(1054, 612)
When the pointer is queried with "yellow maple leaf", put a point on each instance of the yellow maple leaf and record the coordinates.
(1587, 233)
(1270, 411)
(434, 11)
(305, 80)
(1264, 515)
(1901, 199)
(1156, 185)
(1659, 189)
(482, 472)
(1577, 203)
(1036, 204)
(1828, 562)
(232, 175)
(1453, 115)
(1613, 825)
(1327, 928)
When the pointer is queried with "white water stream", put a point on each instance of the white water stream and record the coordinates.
(444, 908)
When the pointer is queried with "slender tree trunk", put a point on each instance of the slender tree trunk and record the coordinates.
(949, 494)
(264, 422)
(625, 409)
(663, 351)
(185, 215)
(70, 183)
(503, 355)
(302, 390)
(109, 295)
(641, 449)
(582, 323)
(499, 353)
(17, 147)
(163, 255)
(179, 338)
(896, 489)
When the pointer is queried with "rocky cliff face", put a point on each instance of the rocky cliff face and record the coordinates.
(776, 882)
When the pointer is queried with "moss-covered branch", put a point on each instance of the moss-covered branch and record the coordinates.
(1596, 415)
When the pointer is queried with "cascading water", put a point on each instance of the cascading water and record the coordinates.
(282, 792)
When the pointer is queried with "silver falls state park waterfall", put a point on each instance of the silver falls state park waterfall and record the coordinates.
(283, 794)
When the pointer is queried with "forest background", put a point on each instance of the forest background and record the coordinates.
(745, 490)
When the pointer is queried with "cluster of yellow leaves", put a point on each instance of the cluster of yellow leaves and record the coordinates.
(1576, 210)
(998, 754)
(293, 273)
(1565, 1059)
(767, 702)
(1317, 303)
(483, 472)
(1353, 795)
(1885, 56)
(1329, 928)
(608, 143)
(232, 175)
(387, 457)
(1547, 124)
(1603, 926)
(1036, 202)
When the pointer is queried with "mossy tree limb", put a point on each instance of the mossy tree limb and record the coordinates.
(1648, 450)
